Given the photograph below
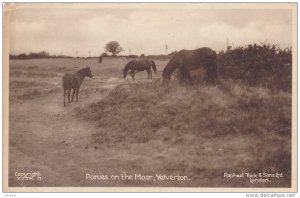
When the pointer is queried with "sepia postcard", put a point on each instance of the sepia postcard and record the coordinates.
(150, 97)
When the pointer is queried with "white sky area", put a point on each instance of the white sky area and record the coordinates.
(143, 29)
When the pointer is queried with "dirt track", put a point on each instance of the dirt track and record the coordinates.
(45, 136)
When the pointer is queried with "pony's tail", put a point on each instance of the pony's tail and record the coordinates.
(153, 66)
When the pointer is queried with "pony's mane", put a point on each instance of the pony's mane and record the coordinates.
(81, 71)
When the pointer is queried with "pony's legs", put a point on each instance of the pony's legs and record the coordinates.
(68, 92)
(64, 97)
(181, 74)
(186, 74)
(77, 90)
(73, 95)
(133, 74)
(189, 77)
(149, 74)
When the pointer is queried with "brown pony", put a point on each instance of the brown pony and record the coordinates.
(73, 81)
(139, 64)
(186, 60)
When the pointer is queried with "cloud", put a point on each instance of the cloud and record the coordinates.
(144, 30)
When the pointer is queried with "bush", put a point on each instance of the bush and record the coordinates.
(258, 65)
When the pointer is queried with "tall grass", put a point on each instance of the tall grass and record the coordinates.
(203, 110)
(194, 119)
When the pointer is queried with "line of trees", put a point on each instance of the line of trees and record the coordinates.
(112, 47)
(32, 55)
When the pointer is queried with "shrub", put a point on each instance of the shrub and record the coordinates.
(258, 65)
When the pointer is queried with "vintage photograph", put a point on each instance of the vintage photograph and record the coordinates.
(181, 96)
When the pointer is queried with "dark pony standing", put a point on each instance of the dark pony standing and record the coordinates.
(139, 64)
(73, 81)
(186, 60)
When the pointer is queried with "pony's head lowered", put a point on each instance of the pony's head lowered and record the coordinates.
(167, 72)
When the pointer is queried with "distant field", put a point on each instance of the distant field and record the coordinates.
(110, 67)
(47, 73)
(141, 127)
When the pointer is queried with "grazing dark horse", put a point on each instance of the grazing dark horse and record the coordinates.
(186, 60)
(73, 81)
(139, 64)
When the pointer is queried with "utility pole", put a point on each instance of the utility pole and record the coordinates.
(227, 44)
(166, 49)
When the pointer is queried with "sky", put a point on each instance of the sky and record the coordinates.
(83, 29)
